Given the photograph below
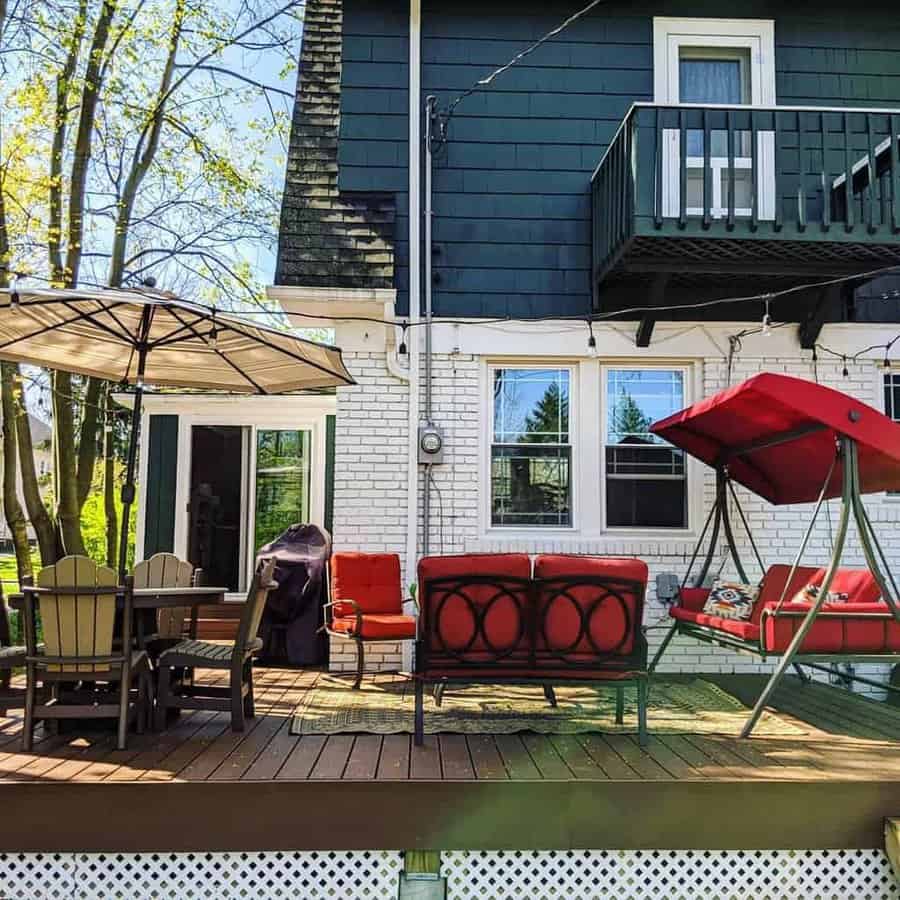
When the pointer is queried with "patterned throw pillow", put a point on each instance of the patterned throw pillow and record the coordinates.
(810, 594)
(730, 600)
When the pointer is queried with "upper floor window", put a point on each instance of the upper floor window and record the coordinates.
(531, 449)
(646, 478)
(716, 62)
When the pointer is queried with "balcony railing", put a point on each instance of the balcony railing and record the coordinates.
(823, 185)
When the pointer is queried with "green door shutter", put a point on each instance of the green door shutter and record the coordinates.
(162, 466)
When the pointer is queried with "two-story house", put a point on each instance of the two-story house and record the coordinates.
(656, 202)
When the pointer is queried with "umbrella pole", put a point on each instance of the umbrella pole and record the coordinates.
(128, 490)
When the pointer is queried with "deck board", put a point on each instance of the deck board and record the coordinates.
(546, 787)
(844, 737)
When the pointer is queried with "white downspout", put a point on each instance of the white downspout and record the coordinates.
(412, 341)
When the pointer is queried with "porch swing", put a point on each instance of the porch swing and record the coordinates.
(793, 441)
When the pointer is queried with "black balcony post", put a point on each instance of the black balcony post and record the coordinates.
(775, 174)
(707, 171)
(682, 170)
(754, 171)
(732, 174)
(658, 169)
(848, 176)
(873, 190)
(895, 172)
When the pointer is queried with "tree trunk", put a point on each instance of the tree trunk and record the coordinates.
(34, 501)
(144, 153)
(15, 518)
(109, 487)
(68, 512)
(88, 439)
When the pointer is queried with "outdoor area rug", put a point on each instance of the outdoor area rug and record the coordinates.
(385, 706)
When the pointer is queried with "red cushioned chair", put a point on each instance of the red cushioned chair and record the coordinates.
(367, 602)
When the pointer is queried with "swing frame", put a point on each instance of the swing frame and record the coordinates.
(847, 457)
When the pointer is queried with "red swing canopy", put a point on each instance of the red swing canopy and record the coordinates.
(777, 436)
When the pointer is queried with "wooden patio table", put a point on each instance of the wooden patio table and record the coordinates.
(159, 598)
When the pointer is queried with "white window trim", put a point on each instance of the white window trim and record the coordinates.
(529, 531)
(879, 403)
(755, 35)
(587, 398)
(313, 421)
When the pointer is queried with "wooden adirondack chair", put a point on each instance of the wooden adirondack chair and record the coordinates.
(237, 659)
(165, 570)
(77, 600)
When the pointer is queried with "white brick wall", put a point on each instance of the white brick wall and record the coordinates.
(370, 481)
(370, 490)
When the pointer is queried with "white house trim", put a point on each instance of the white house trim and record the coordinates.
(289, 411)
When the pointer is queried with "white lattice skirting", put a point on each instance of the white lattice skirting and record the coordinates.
(669, 875)
(335, 875)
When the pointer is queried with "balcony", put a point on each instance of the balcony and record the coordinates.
(761, 199)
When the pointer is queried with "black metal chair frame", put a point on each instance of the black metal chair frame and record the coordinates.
(237, 698)
(59, 672)
(356, 635)
(11, 657)
(533, 597)
(846, 455)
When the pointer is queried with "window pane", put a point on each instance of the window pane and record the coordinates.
(892, 402)
(710, 81)
(530, 485)
(636, 398)
(646, 503)
(645, 477)
(282, 482)
(531, 406)
(530, 456)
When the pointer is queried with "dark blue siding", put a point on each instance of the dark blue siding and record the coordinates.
(512, 215)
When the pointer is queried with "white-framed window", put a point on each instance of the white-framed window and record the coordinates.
(530, 466)
(645, 478)
(712, 62)
(892, 406)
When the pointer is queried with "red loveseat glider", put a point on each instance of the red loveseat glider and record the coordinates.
(861, 625)
(487, 618)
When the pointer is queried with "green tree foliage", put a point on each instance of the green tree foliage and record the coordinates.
(628, 421)
(132, 144)
(549, 418)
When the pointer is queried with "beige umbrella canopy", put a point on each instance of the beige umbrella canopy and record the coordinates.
(187, 345)
(152, 337)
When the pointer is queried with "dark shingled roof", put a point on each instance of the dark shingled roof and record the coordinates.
(328, 238)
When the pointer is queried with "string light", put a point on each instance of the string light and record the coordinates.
(212, 339)
(402, 348)
(845, 371)
(767, 320)
(14, 301)
(592, 341)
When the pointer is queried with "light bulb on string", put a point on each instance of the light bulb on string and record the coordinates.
(212, 339)
(767, 320)
(14, 299)
(402, 348)
(846, 371)
(592, 341)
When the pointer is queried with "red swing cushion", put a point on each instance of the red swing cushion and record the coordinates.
(841, 630)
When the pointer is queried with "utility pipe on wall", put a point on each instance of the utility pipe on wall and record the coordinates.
(415, 172)
(430, 103)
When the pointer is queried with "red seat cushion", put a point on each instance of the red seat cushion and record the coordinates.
(579, 620)
(740, 628)
(478, 610)
(836, 630)
(372, 580)
(378, 626)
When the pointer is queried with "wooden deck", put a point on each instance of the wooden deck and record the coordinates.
(200, 786)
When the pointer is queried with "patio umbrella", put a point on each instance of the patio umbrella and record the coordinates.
(152, 337)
